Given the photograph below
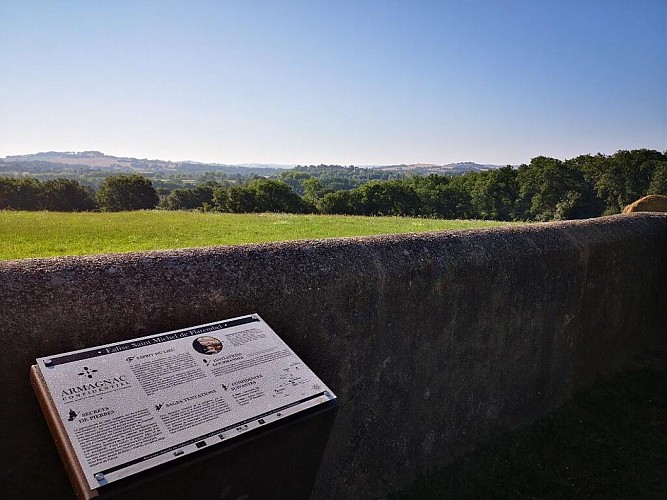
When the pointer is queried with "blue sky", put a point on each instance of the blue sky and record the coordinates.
(358, 82)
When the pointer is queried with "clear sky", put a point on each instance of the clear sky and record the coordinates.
(345, 82)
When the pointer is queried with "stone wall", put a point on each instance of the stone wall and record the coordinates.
(432, 342)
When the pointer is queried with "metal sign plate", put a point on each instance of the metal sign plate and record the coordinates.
(130, 406)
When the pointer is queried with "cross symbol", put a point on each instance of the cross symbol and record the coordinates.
(87, 371)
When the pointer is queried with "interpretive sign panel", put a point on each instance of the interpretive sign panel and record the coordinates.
(129, 406)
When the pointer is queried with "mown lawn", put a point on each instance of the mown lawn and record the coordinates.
(46, 234)
(608, 442)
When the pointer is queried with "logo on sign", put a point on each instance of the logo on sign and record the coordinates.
(93, 387)
(87, 372)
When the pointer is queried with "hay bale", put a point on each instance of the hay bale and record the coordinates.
(650, 203)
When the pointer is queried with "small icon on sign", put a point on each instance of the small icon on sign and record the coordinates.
(72, 415)
(261, 421)
(87, 372)
(207, 345)
(221, 436)
(224, 386)
(200, 444)
(206, 362)
(129, 359)
(178, 453)
(158, 406)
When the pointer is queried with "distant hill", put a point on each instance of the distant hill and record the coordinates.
(98, 160)
(91, 167)
(432, 168)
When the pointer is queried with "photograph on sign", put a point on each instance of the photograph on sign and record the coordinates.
(130, 406)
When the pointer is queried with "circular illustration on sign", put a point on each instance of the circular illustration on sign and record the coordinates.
(207, 345)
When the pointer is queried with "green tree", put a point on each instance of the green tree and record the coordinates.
(658, 184)
(261, 195)
(637, 167)
(66, 195)
(20, 194)
(276, 196)
(388, 198)
(552, 189)
(220, 199)
(340, 202)
(496, 193)
(126, 192)
(7, 190)
(295, 180)
(313, 189)
(620, 179)
(188, 199)
(238, 200)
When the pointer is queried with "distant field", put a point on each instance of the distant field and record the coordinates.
(46, 234)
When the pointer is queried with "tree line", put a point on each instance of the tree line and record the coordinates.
(116, 193)
(544, 189)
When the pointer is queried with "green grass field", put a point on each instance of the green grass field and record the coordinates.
(46, 234)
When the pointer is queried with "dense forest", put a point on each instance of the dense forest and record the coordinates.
(544, 189)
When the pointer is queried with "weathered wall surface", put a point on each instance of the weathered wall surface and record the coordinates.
(432, 342)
